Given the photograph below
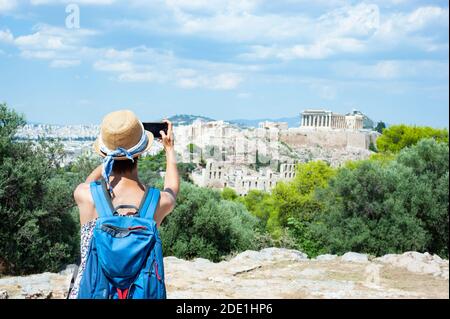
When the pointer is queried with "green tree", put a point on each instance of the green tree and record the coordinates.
(381, 207)
(364, 212)
(295, 204)
(229, 194)
(397, 137)
(427, 195)
(260, 204)
(38, 232)
(380, 127)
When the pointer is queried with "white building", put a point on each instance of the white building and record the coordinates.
(323, 119)
(241, 178)
(274, 125)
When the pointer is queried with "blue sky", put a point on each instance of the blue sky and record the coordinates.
(226, 59)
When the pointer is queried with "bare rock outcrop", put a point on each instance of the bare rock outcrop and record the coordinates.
(418, 263)
(276, 273)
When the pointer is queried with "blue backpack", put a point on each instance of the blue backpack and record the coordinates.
(125, 258)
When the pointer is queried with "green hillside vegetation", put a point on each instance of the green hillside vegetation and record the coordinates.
(395, 201)
(387, 204)
(397, 137)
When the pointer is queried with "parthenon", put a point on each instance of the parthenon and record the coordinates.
(329, 120)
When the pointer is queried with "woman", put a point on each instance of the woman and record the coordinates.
(121, 142)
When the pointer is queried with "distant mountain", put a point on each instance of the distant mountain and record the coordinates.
(185, 119)
(244, 123)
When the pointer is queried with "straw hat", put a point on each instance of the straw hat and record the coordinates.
(121, 129)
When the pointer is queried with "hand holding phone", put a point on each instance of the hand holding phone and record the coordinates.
(156, 127)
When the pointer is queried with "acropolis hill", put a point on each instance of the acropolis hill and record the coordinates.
(258, 158)
(228, 155)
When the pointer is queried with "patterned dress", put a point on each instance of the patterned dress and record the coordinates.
(87, 232)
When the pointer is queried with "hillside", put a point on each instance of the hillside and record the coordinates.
(185, 119)
(277, 273)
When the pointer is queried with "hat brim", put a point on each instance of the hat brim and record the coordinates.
(122, 158)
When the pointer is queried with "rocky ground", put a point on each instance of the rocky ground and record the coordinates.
(277, 273)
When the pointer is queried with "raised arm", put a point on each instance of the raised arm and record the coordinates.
(172, 179)
(95, 175)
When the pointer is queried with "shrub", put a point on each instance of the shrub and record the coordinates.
(204, 225)
(397, 137)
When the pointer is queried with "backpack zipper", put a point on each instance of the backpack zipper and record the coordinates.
(155, 267)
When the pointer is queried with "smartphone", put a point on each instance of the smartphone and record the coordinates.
(156, 127)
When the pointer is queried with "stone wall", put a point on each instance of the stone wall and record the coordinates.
(340, 139)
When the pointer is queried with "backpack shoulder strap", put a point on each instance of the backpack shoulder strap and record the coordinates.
(150, 203)
(102, 199)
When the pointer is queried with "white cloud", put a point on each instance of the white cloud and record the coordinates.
(38, 54)
(340, 30)
(399, 25)
(64, 63)
(118, 54)
(224, 81)
(48, 38)
(143, 64)
(79, 2)
(109, 66)
(7, 5)
(323, 90)
(244, 95)
(139, 77)
(64, 47)
(393, 70)
(6, 36)
(289, 32)
(321, 49)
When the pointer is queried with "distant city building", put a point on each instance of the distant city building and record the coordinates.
(324, 119)
(274, 125)
(241, 178)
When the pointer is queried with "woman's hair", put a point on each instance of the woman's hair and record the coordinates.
(126, 166)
